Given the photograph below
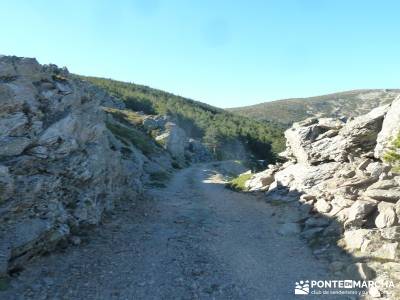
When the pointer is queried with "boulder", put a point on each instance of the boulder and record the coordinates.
(386, 218)
(361, 133)
(383, 195)
(306, 178)
(384, 185)
(331, 123)
(375, 169)
(357, 214)
(354, 239)
(322, 206)
(174, 140)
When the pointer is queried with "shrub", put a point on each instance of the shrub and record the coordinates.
(135, 137)
(393, 155)
(238, 183)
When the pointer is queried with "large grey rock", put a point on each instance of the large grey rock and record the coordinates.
(354, 239)
(384, 185)
(356, 215)
(174, 140)
(322, 206)
(383, 195)
(306, 178)
(307, 143)
(361, 133)
(60, 167)
(386, 218)
(390, 128)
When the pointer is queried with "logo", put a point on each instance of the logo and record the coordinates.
(302, 288)
(339, 287)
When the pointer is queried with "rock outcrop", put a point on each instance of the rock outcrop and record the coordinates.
(335, 172)
(63, 159)
(175, 140)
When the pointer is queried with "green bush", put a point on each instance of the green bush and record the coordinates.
(393, 155)
(160, 176)
(135, 137)
(238, 183)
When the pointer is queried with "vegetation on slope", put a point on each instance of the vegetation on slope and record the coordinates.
(238, 183)
(393, 155)
(288, 111)
(230, 136)
(134, 136)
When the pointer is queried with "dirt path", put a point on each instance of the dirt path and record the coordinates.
(193, 240)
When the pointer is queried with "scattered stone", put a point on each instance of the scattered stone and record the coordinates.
(322, 206)
(386, 218)
(288, 229)
(361, 209)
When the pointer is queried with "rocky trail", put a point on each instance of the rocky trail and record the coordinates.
(193, 239)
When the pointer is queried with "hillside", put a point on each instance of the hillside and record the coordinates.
(230, 136)
(349, 104)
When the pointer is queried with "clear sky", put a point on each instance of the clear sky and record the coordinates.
(223, 52)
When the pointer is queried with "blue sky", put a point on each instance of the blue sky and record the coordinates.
(223, 52)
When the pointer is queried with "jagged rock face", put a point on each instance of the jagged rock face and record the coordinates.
(59, 169)
(335, 170)
(174, 140)
(390, 127)
(316, 141)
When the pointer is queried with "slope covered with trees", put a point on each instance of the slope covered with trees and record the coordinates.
(230, 136)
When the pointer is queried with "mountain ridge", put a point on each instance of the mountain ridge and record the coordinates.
(350, 103)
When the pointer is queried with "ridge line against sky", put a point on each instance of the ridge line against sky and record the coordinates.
(225, 53)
